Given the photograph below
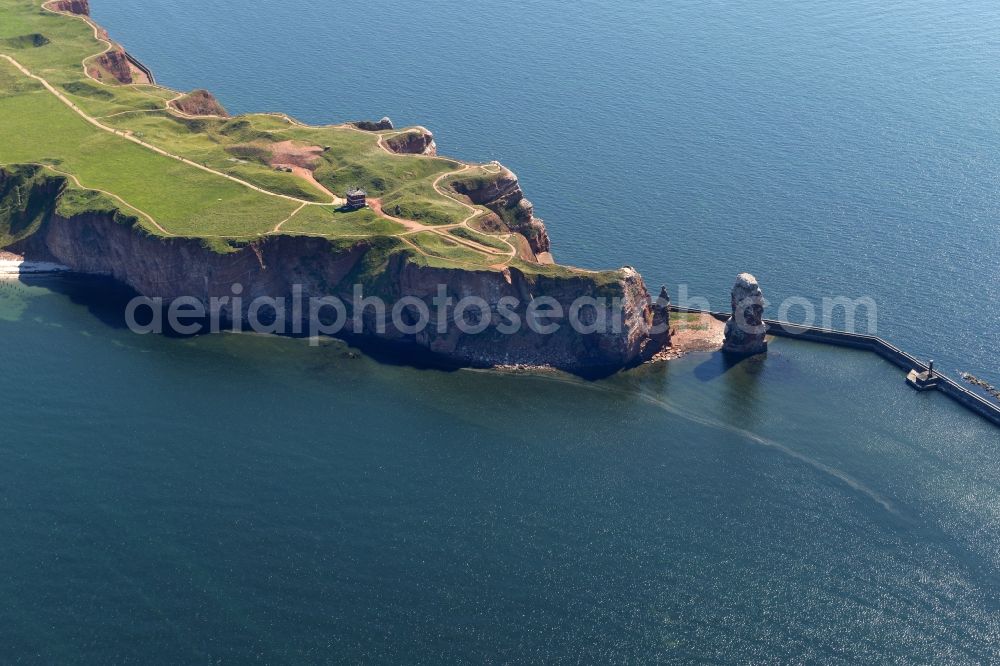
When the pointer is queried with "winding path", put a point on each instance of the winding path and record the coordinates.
(128, 135)
(411, 226)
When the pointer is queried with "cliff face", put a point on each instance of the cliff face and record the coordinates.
(503, 196)
(27, 199)
(417, 142)
(81, 7)
(98, 243)
(566, 349)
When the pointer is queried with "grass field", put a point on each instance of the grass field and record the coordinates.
(315, 220)
(442, 251)
(38, 128)
(479, 237)
(220, 179)
(688, 321)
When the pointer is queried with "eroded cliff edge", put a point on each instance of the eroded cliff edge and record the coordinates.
(42, 220)
(500, 191)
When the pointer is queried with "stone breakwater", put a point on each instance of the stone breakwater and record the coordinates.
(882, 348)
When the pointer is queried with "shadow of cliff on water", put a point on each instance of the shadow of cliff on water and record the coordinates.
(719, 364)
(740, 381)
(107, 300)
(103, 297)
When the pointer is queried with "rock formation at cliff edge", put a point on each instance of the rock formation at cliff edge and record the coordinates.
(199, 103)
(81, 7)
(372, 126)
(746, 333)
(113, 63)
(414, 142)
(502, 194)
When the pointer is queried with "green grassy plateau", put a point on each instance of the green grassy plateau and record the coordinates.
(124, 149)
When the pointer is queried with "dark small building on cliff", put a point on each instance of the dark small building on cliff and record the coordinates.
(356, 198)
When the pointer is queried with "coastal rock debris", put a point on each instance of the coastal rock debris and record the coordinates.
(983, 384)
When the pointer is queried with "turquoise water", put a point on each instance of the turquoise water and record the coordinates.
(845, 148)
(239, 498)
(243, 498)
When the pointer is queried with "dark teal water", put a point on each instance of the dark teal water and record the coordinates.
(238, 498)
(845, 148)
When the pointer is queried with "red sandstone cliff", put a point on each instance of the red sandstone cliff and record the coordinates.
(199, 103)
(81, 7)
(115, 64)
(170, 268)
(110, 244)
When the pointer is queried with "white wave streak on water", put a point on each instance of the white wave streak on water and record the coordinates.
(667, 406)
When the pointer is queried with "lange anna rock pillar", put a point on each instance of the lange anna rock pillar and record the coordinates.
(745, 330)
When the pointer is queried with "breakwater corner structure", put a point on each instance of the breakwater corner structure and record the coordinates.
(881, 347)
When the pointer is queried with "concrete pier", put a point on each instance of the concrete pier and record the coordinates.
(924, 376)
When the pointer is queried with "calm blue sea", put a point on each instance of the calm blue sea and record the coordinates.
(240, 499)
(237, 499)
